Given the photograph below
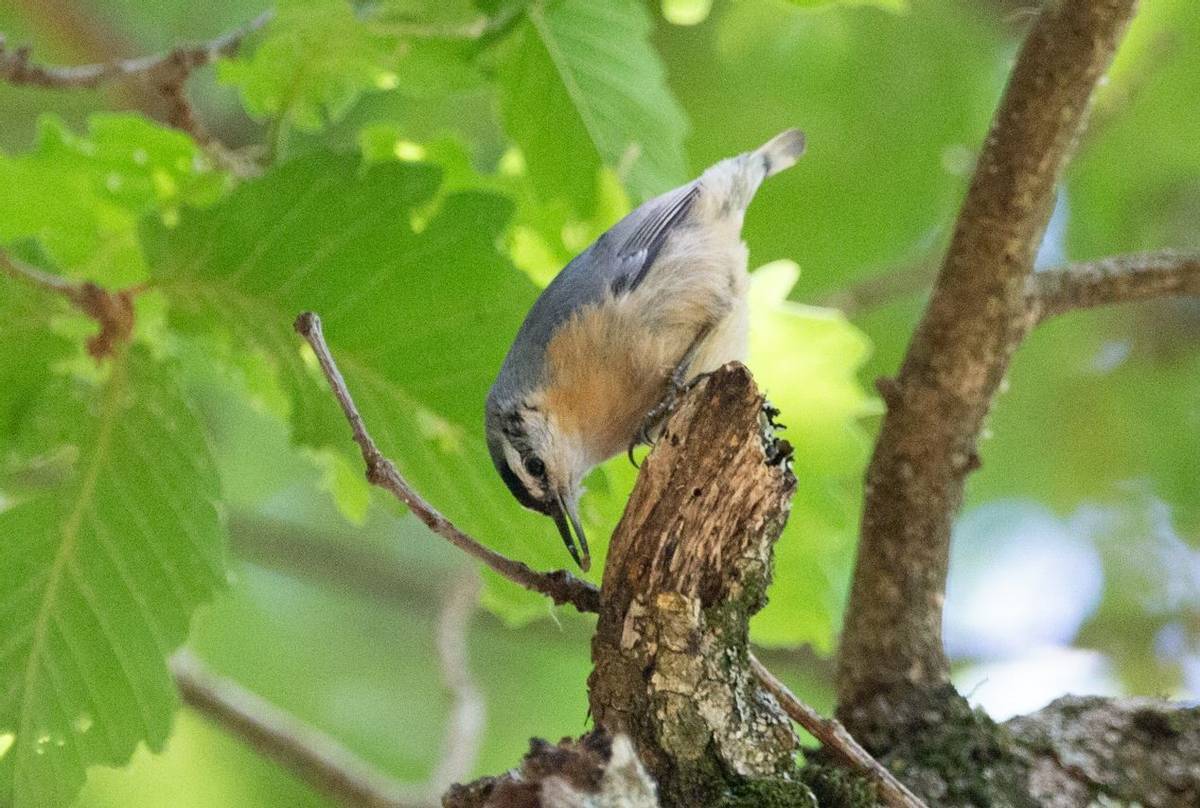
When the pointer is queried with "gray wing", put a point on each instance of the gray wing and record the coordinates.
(616, 263)
(635, 254)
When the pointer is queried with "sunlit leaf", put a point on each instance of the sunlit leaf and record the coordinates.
(80, 196)
(317, 57)
(419, 320)
(806, 359)
(99, 575)
(313, 61)
(581, 87)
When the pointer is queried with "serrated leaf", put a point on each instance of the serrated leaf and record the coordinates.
(99, 576)
(80, 196)
(581, 87)
(418, 319)
(317, 58)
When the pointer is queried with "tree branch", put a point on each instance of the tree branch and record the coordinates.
(688, 564)
(1121, 279)
(308, 753)
(165, 74)
(113, 311)
(560, 586)
(175, 65)
(1135, 751)
(834, 737)
(977, 315)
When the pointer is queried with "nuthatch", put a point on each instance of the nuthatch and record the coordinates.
(655, 302)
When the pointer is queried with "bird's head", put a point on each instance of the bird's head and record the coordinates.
(542, 467)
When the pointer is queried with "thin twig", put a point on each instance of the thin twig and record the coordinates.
(17, 68)
(72, 290)
(113, 311)
(560, 586)
(882, 288)
(1121, 279)
(464, 727)
(313, 756)
(834, 737)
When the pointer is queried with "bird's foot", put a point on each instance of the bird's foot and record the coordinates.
(648, 432)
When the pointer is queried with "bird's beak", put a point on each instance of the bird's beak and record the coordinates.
(565, 511)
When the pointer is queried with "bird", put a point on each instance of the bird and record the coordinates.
(656, 302)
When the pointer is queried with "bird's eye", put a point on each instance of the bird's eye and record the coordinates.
(535, 466)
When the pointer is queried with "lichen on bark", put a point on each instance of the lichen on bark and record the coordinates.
(688, 565)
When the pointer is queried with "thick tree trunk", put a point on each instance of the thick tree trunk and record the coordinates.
(689, 564)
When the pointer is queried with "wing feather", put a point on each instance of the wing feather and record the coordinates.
(637, 253)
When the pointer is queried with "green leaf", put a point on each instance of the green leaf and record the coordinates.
(99, 575)
(418, 307)
(80, 196)
(317, 58)
(25, 319)
(581, 87)
(1134, 184)
(806, 359)
(312, 63)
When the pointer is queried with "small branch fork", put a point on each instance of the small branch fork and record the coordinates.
(561, 586)
(112, 310)
(166, 73)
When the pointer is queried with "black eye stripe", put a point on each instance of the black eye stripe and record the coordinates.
(518, 489)
(535, 466)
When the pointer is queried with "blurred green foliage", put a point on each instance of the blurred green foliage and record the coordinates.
(428, 166)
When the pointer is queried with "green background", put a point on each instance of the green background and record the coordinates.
(421, 186)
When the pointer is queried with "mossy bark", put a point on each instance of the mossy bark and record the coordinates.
(688, 565)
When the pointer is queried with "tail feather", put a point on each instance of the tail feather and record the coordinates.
(781, 152)
(730, 184)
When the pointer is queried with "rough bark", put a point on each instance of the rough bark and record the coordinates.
(891, 660)
(688, 565)
(1141, 751)
(592, 772)
(1120, 279)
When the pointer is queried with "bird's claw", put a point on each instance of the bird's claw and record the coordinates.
(642, 438)
(659, 413)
